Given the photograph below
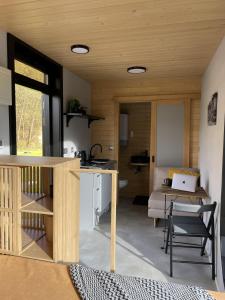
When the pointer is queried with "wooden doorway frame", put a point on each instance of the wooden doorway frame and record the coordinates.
(154, 100)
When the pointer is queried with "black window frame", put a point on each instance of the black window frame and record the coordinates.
(19, 50)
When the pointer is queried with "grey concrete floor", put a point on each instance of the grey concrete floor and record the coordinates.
(138, 249)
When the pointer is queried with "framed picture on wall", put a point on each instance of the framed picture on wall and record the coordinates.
(212, 110)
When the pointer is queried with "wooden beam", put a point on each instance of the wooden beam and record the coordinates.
(152, 144)
(113, 222)
(150, 98)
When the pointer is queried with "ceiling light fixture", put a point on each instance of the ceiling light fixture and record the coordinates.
(80, 49)
(136, 70)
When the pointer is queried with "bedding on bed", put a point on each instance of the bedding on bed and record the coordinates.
(95, 284)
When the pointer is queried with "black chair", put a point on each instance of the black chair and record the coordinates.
(191, 226)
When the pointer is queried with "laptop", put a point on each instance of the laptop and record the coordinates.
(184, 182)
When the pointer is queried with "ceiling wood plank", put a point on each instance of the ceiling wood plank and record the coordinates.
(171, 38)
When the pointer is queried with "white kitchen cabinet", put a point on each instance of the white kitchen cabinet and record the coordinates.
(95, 198)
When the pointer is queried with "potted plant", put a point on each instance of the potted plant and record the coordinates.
(73, 106)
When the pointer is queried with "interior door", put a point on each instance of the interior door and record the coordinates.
(170, 125)
(170, 134)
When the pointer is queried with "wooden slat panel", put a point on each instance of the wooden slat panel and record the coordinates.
(194, 132)
(32, 220)
(31, 179)
(8, 209)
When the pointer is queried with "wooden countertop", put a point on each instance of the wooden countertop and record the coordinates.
(200, 192)
(26, 161)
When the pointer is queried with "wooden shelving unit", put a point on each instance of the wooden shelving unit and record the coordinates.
(39, 208)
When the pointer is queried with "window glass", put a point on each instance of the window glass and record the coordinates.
(30, 72)
(29, 133)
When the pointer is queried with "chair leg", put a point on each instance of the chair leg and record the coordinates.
(213, 254)
(203, 246)
(171, 249)
(167, 238)
(155, 222)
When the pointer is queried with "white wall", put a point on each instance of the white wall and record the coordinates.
(4, 110)
(211, 138)
(77, 135)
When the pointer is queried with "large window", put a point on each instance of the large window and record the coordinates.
(29, 126)
(36, 126)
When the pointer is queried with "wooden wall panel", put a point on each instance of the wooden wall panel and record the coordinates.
(139, 124)
(194, 136)
(103, 93)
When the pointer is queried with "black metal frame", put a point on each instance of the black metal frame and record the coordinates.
(21, 51)
(172, 244)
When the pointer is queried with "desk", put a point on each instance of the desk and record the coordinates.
(198, 195)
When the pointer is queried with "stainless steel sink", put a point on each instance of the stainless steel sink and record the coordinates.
(100, 161)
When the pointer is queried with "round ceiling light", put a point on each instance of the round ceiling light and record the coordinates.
(136, 70)
(80, 49)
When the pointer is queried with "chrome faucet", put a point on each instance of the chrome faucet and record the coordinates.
(92, 147)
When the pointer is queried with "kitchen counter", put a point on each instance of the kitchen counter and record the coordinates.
(110, 165)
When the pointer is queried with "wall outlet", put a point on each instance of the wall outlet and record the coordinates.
(111, 147)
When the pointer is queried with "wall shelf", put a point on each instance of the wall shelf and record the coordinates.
(41, 249)
(30, 236)
(90, 118)
(42, 206)
(28, 198)
(138, 166)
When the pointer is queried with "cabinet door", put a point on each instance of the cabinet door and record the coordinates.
(106, 191)
(102, 193)
(97, 195)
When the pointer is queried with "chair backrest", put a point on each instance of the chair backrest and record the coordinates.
(184, 207)
(193, 208)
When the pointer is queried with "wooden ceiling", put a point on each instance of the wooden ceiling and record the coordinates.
(171, 38)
